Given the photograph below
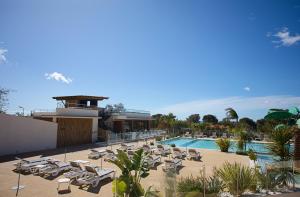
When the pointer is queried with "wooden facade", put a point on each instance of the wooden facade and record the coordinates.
(74, 131)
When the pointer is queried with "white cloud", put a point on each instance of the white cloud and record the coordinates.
(245, 106)
(58, 77)
(2, 55)
(247, 89)
(285, 38)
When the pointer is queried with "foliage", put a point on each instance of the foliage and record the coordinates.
(194, 118)
(232, 114)
(267, 181)
(158, 138)
(247, 124)
(284, 176)
(237, 178)
(266, 126)
(151, 143)
(281, 142)
(173, 145)
(244, 137)
(3, 99)
(210, 119)
(132, 170)
(252, 155)
(241, 152)
(224, 144)
(190, 186)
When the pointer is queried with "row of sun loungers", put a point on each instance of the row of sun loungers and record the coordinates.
(73, 170)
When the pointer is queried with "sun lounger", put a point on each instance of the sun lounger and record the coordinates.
(172, 164)
(163, 150)
(126, 147)
(148, 149)
(76, 171)
(110, 155)
(177, 153)
(94, 175)
(152, 160)
(193, 154)
(96, 154)
(54, 168)
(224, 135)
(214, 135)
(26, 165)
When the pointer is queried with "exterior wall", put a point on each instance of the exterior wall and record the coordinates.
(95, 130)
(76, 112)
(23, 134)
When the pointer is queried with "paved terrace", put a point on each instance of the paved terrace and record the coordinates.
(39, 186)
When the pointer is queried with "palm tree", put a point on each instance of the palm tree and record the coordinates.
(232, 114)
(133, 170)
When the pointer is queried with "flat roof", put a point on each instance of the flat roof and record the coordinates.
(80, 97)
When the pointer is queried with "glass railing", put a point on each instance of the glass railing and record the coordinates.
(133, 136)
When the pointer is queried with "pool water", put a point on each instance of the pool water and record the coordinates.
(211, 144)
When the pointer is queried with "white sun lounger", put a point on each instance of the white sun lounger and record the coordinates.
(177, 153)
(193, 154)
(214, 135)
(110, 155)
(224, 135)
(54, 168)
(163, 150)
(96, 154)
(172, 164)
(76, 171)
(95, 175)
(26, 165)
(126, 147)
(152, 160)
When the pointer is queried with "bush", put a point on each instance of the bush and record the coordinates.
(237, 178)
(252, 155)
(151, 143)
(158, 138)
(240, 152)
(173, 145)
(224, 144)
(191, 186)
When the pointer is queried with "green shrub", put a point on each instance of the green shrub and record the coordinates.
(194, 186)
(173, 145)
(158, 138)
(237, 178)
(224, 144)
(151, 143)
(252, 155)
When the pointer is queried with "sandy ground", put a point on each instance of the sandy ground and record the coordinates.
(39, 186)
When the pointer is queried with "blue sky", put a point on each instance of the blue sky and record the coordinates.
(165, 56)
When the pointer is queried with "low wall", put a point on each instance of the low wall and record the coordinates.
(24, 134)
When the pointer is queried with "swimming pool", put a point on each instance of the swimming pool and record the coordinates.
(211, 144)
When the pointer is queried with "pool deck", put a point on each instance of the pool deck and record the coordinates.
(38, 186)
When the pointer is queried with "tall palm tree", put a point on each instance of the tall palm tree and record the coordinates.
(232, 114)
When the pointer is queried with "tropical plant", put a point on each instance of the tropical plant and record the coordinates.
(224, 144)
(247, 124)
(193, 186)
(284, 176)
(232, 114)
(237, 178)
(3, 99)
(133, 170)
(281, 137)
(252, 155)
(158, 138)
(267, 181)
(244, 138)
(173, 145)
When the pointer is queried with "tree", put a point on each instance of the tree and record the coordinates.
(232, 114)
(194, 118)
(133, 170)
(210, 119)
(3, 99)
(247, 124)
